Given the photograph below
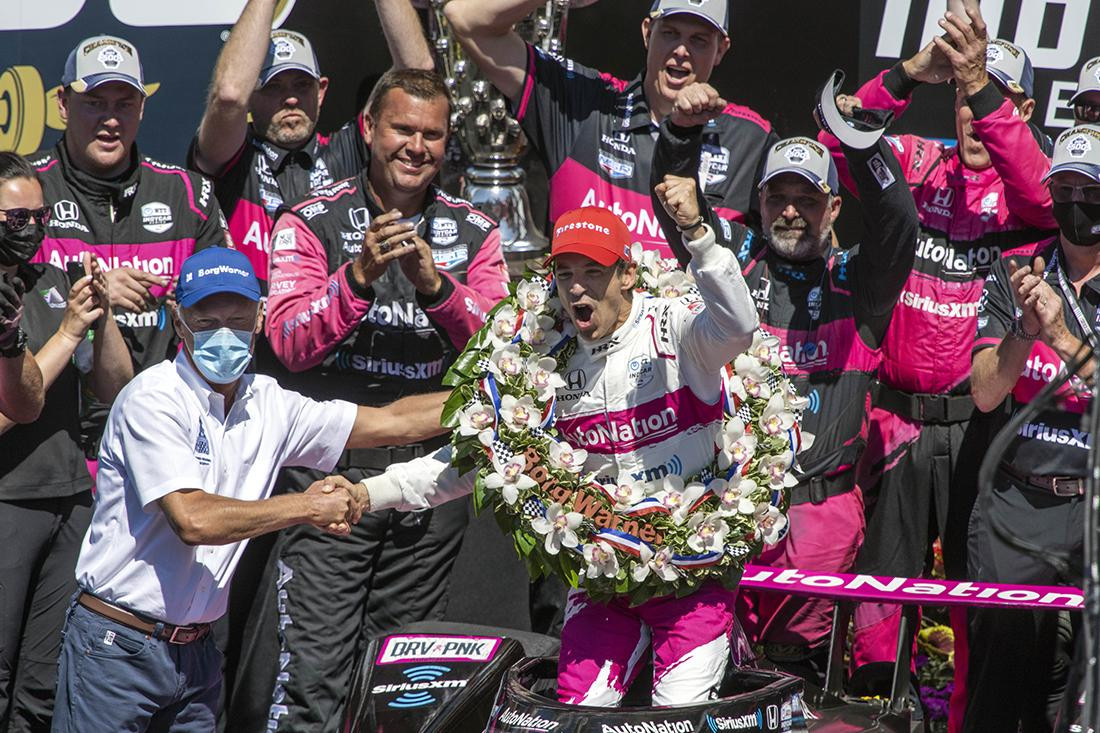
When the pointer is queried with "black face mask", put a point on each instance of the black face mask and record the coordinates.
(1079, 222)
(17, 248)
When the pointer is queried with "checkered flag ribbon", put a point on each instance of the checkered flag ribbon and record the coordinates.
(744, 412)
(502, 450)
(706, 476)
(483, 364)
(737, 552)
(534, 508)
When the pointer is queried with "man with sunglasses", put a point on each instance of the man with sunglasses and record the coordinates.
(1086, 100)
(975, 200)
(1037, 317)
(139, 217)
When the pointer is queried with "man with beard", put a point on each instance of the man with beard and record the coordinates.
(1036, 317)
(274, 78)
(377, 282)
(830, 309)
(976, 200)
(595, 133)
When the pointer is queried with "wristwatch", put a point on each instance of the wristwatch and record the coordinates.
(16, 347)
(1019, 332)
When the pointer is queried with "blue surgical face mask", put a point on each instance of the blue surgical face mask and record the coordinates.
(221, 354)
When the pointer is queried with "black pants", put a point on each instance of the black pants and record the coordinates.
(39, 543)
(1017, 666)
(331, 595)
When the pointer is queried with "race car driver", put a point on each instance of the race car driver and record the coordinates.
(830, 308)
(595, 132)
(377, 282)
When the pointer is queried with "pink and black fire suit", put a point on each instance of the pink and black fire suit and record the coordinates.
(644, 402)
(923, 452)
(831, 316)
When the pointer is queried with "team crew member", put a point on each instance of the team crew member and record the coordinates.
(45, 488)
(140, 218)
(601, 644)
(975, 201)
(21, 393)
(377, 282)
(830, 309)
(1086, 100)
(595, 133)
(274, 77)
(1035, 317)
(190, 455)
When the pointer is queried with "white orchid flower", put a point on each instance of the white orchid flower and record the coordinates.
(659, 563)
(776, 418)
(709, 532)
(626, 493)
(566, 457)
(502, 328)
(475, 418)
(542, 376)
(506, 361)
(538, 331)
(601, 560)
(778, 470)
(673, 284)
(753, 376)
(770, 523)
(765, 348)
(559, 526)
(509, 478)
(737, 445)
(532, 296)
(735, 495)
(677, 498)
(805, 440)
(519, 414)
(796, 402)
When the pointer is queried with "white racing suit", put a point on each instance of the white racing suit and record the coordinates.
(645, 402)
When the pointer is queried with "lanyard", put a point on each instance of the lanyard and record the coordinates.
(1087, 330)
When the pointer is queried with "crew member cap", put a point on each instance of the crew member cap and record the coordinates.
(1078, 150)
(1009, 65)
(716, 12)
(289, 50)
(216, 270)
(1088, 80)
(805, 157)
(101, 59)
(592, 231)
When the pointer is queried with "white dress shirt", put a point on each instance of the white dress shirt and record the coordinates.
(169, 431)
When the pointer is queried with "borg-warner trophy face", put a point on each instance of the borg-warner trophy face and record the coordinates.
(492, 141)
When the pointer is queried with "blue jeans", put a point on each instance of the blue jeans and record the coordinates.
(114, 678)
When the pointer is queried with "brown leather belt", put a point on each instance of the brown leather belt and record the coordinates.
(164, 632)
(1057, 485)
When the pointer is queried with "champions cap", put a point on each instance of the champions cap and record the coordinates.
(289, 50)
(1010, 66)
(808, 158)
(216, 270)
(1089, 80)
(101, 59)
(1077, 149)
(716, 12)
(594, 232)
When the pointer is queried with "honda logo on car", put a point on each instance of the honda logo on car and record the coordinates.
(437, 648)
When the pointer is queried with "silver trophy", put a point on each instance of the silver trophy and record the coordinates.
(492, 142)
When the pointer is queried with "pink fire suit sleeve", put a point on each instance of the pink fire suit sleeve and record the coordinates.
(309, 311)
(1015, 154)
(462, 308)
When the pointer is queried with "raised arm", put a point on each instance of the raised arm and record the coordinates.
(404, 35)
(21, 390)
(484, 28)
(224, 124)
(408, 420)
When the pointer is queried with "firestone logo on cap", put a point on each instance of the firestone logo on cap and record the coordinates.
(581, 225)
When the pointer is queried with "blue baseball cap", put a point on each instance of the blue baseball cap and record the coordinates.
(216, 270)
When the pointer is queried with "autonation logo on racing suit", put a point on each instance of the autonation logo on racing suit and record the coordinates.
(651, 726)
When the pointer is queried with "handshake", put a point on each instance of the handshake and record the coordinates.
(334, 504)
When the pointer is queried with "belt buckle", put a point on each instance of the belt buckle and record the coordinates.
(183, 635)
(939, 414)
(1077, 485)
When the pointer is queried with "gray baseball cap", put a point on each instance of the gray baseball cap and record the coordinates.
(1089, 79)
(717, 12)
(289, 50)
(1008, 64)
(101, 59)
(808, 158)
(1078, 150)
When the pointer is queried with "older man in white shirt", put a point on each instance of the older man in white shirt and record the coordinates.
(187, 465)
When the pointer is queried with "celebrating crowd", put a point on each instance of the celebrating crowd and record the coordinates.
(255, 345)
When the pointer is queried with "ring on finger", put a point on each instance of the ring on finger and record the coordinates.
(384, 247)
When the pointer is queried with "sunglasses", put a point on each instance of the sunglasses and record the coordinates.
(1085, 112)
(16, 219)
(1064, 194)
